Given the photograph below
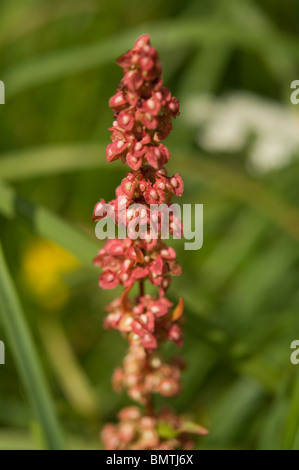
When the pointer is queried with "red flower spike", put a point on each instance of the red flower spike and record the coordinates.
(143, 112)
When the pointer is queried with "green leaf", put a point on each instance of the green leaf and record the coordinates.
(166, 431)
(26, 358)
(233, 410)
(46, 224)
(193, 428)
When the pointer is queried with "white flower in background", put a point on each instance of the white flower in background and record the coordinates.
(227, 123)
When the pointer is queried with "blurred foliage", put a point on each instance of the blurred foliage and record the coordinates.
(241, 288)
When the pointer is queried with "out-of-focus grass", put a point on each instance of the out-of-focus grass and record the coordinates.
(16, 440)
(27, 359)
(241, 288)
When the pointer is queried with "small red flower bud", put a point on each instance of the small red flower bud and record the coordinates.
(108, 280)
(152, 105)
(173, 107)
(177, 184)
(175, 335)
(114, 150)
(118, 101)
(134, 161)
(125, 120)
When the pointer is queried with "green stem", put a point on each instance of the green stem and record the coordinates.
(292, 424)
(26, 358)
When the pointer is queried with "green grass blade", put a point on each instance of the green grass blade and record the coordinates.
(166, 35)
(51, 160)
(12, 439)
(26, 358)
(46, 224)
(19, 22)
(292, 424)
(77, 59)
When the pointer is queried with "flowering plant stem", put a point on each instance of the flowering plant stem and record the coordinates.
(143, 109)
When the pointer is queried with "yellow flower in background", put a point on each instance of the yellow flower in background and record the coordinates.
(44, 266)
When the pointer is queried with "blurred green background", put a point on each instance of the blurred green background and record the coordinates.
(230, 63)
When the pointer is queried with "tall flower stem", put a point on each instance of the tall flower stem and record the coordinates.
(143, 110)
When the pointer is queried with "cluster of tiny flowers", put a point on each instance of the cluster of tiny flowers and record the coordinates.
(127, 261)
(141, 432)
(144, 374)
(143, 109)
(150, 322)
(143, 188)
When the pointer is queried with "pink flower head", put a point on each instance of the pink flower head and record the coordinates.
(143, 112)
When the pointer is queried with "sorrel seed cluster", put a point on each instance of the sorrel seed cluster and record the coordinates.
(143, 109)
